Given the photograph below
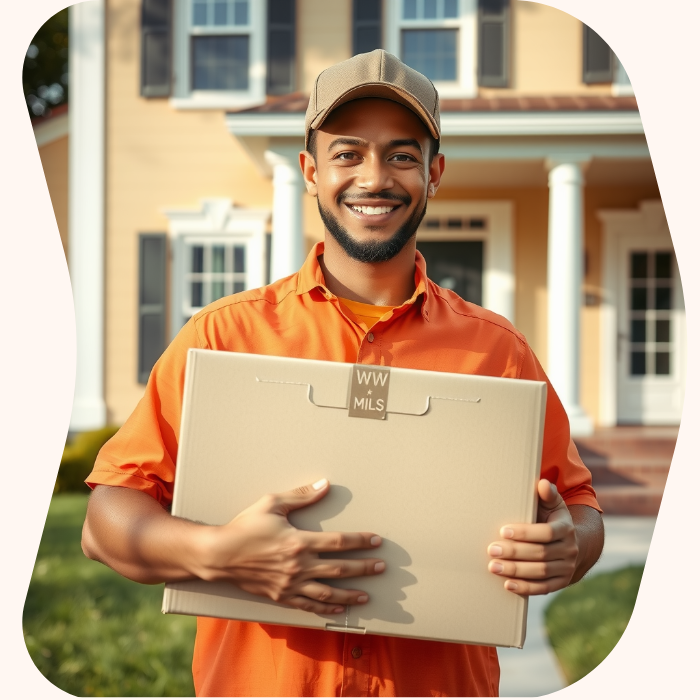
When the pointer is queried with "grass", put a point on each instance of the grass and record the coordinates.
(586, 621)
(93, 633)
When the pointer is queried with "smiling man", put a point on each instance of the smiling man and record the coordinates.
(372, 161)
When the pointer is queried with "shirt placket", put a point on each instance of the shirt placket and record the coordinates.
(357, 652)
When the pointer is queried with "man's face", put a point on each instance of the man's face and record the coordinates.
(372, 177)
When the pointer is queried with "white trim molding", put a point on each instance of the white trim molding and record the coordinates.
(499, 266)
(86, 231)
(217, 220)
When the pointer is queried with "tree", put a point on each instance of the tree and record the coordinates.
(45, 72)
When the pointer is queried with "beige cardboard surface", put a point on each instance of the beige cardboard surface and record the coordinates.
(455, 458)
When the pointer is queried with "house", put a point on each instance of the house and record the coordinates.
(185, 121)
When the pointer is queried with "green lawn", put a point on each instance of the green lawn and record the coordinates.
(586, 621)
(93, 633)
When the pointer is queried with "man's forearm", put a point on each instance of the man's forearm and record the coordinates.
(131, 533)
(590, 536)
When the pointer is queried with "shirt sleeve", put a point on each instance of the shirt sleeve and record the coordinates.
(561, 463)
(143, 453)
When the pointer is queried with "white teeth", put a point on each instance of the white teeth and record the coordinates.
(372, 211)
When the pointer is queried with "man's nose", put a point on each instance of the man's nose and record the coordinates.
(374, 175)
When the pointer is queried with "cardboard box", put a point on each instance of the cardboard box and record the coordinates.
(435, 463)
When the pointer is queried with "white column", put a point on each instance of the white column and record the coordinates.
(288, 250)
(86, 209)
(564, 277)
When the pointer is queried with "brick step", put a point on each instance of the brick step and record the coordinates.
(629, 474)
(629, 500)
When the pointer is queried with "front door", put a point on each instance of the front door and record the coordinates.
(651, 333)
(455, 265)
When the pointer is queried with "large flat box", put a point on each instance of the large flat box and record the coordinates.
(451, 460)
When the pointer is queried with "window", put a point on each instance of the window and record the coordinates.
(436, 37)
(366, 26)
(219, 53)
(281, 41)
(601, 65)
(494, 42)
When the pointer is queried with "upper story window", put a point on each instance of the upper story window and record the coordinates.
(436, 37)
(601, 65)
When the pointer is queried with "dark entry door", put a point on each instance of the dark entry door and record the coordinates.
(456, 265)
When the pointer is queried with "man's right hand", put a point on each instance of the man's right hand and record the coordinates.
(259, 550)
(262, 553)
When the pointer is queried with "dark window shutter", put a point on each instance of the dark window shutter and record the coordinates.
(494, 43)
(152, 267)
(597, 58)
(156, 52)
(366, 26)
(281, 46)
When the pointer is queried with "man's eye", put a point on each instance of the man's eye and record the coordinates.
(346, 156)
(403, 158)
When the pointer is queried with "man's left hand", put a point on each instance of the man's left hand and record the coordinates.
(540, 558)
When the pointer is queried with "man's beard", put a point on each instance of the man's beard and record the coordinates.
(372, 251)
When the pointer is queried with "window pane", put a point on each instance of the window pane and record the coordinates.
(639, 265)
(240, 13)
(197, 258)
(432, 52)
(199, 13)
(430, 9)
(220, 13)
(450, 9)
(238, 287)
(639, 298)
(639, 331)
(238, 259)
(220, 63)
(663, 363)
(663, 298)
(217, 258)
(217, 289)
(196, 294)
(638, 364)
(663, 266)
(663, 331)
(410, 9)
(367, 9)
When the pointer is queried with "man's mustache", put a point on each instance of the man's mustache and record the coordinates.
(346, 197)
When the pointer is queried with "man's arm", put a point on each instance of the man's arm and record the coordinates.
(259, 550)
(551, 554)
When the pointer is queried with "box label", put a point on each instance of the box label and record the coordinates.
(369, 392)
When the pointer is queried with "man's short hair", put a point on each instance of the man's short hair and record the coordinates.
(433, 149)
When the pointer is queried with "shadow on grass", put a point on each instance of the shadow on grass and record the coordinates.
(93, 633)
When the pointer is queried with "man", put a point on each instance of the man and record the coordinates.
(372, 162)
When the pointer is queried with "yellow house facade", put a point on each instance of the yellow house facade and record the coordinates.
(185, 122)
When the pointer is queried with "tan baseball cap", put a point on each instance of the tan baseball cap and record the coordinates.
(373, 74)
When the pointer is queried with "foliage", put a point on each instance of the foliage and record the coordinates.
(92, 632)
(586, 621)
(79, 457)
(45, 72)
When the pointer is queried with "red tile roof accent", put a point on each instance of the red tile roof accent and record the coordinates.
(297, 102)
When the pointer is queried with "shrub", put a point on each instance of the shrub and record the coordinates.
(79, 457)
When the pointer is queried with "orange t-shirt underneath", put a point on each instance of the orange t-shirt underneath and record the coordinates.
(299, 317)
(366, 315)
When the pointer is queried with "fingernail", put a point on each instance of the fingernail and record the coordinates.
(512, 586)
(379, 567)
(507, 532)
(362, 599)
(496, 567)
(319, 485)
(495, 550)
(375, 541)
(338, 610)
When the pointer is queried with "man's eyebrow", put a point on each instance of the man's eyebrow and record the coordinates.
(406, 142)
(346, 141)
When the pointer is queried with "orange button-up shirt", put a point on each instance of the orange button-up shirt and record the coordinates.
(299, 317)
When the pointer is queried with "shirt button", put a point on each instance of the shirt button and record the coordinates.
(370, 337)
(356, 653)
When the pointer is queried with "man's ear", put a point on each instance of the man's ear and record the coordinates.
(309, 173)
(437, 168)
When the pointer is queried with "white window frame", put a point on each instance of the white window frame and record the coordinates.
(186, 98)
(498, 272)
(216, 222)
(621, 83)
(466, 23)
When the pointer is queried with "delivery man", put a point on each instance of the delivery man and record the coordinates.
(362, 296)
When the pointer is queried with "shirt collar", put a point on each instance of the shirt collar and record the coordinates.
(311, 277)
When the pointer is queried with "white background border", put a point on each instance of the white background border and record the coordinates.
(657, 655)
